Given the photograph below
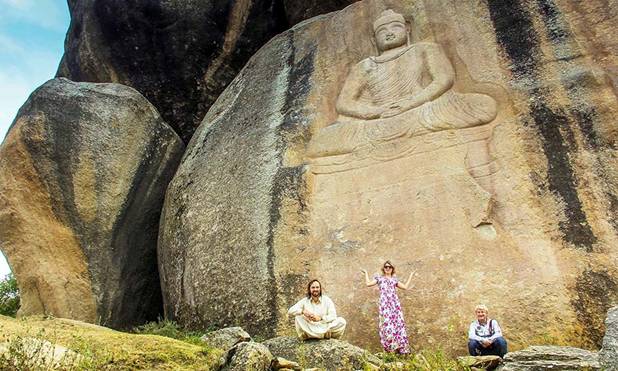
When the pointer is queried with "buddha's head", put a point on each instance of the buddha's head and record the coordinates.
(390, 30)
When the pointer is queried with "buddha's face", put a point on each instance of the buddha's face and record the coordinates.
(391, 35)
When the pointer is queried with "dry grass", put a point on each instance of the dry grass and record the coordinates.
(101, 348)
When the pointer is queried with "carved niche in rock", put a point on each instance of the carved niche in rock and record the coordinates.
(401, 106)
(406, 168)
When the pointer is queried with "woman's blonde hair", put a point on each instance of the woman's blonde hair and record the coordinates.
(389, 263)
(481, 306)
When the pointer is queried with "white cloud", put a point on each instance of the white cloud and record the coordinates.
(10, 46)
(14, 90)
(47, 14)
(25, 71)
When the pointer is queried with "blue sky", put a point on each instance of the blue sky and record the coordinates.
(31, 45)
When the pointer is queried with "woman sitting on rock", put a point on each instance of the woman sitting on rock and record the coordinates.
(393, 334)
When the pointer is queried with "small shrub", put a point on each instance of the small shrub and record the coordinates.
(170, 329)
(9, 296)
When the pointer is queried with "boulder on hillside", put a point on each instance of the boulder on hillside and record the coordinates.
(179, 54)
(226, 338)
(325, 155)
(331, 354)
(551, 358)
(608, 356)
(83, 173)
(248, 356)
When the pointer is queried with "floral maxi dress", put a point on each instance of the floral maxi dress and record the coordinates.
(393, 334)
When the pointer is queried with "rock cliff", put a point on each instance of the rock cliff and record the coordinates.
(499, 186)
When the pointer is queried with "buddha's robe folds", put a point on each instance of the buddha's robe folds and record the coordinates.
(384, 82)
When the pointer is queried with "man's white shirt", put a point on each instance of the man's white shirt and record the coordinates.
(480, 332)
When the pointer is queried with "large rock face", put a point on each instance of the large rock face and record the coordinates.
(178, 54)
(83, 172)
(482, 157)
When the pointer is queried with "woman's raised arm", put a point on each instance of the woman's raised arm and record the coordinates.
(405, 286)
(368, 282)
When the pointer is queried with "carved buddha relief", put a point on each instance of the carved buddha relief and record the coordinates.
(404, 92)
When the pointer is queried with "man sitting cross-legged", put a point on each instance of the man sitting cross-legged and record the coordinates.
(315, 315)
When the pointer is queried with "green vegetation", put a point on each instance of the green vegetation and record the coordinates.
(9, 296)
(427, 360)
(37, 343)
(170, 329)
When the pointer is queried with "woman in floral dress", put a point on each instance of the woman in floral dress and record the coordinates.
(393, 334)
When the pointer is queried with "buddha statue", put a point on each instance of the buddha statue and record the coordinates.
(404, 92)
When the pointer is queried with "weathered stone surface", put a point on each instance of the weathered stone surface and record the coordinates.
(608, 356)
(226, 338)
(83, 172)
(550, 358)
(299, 10)
(315, 162)
(179, 54)
(329, 354)
(480, 362)
(248, 356)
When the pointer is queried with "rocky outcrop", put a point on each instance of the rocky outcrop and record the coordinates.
(503, 180)
(550, 358)
(248, 356)
(179, 54)
(329, 354)
(226, 338)
(83, 171)
(608, 356)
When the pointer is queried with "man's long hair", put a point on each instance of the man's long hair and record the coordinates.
(309, 288)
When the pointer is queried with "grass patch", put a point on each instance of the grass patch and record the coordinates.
(98, 348)
(426, 360)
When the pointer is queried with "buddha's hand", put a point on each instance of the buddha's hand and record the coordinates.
(393, 110)
(400, 107)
